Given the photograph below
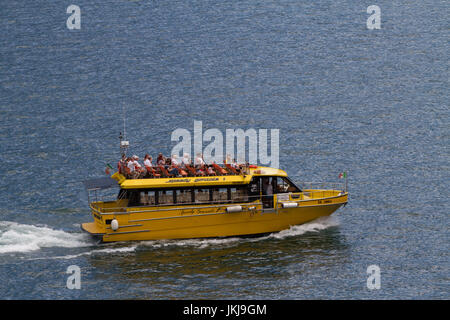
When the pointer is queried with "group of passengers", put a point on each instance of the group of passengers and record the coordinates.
(172, 166)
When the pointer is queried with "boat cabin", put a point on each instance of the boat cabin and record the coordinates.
(260, 185)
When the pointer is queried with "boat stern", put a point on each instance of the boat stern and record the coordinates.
(93, 229)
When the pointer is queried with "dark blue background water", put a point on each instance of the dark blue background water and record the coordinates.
(372, 102)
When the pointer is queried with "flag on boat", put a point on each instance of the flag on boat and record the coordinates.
(342, 175)
(108, 166)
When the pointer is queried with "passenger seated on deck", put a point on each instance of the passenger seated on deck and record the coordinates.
(227, 159)
(210, 171)
(173, 170)
(185, 161)
(199, 160)
(235, 165)
(122, 164)
(174, 160)
(130, 166)
(148, 164)
(137, 167)
(200, 171)
(168, 163)
(148, 161)
(160, 160)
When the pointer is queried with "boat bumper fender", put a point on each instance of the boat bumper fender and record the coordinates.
(234, 209)
(114, 224)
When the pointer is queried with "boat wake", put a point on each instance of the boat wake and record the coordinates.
(93, 252)
(22, 238)
(16, 237)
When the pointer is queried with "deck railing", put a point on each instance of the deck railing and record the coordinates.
(218, 169)
(245, 202)
(341, 186)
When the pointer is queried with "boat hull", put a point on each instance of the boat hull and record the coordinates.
(209, 221)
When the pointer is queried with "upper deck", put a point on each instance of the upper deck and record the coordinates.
(198, 181)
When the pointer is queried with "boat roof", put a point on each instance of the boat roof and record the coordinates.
(100, 183)
(198, 181)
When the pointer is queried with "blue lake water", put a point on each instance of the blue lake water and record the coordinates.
(373, 103)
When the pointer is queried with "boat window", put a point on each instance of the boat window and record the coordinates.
(220, 195)
(201, 195)
(183, 195)
(165, 197)
(283, 185)
(239, 194)
(254, 187)
(134, 198)
(148, 198)
(123, 194)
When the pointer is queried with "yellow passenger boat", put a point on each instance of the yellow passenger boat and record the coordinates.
(258, 200)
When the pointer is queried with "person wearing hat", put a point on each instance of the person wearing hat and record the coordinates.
(130, 166)
(137, 166)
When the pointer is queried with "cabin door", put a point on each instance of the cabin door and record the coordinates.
(261, 188)
(267, 192)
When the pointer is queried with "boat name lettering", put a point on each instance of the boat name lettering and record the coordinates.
(206, 179)
(201, 211)
(189, 180)
(175, 181)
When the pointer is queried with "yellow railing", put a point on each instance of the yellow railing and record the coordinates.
(113, 207)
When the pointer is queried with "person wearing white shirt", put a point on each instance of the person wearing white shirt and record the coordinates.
(185, 161)
(130, 165)
(137, 165)
(174, 160)
(160, 161)
(198, 160)
(148, 161)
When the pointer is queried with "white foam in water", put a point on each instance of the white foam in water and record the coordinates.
(199, 243)
(16, 237)
(88, 253)
(313, 226)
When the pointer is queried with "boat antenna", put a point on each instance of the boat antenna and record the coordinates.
(124, 122)
(124, 144)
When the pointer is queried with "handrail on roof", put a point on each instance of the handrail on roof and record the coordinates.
(100, 183)
(161, 171)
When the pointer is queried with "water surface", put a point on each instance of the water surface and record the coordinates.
(371, 102)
